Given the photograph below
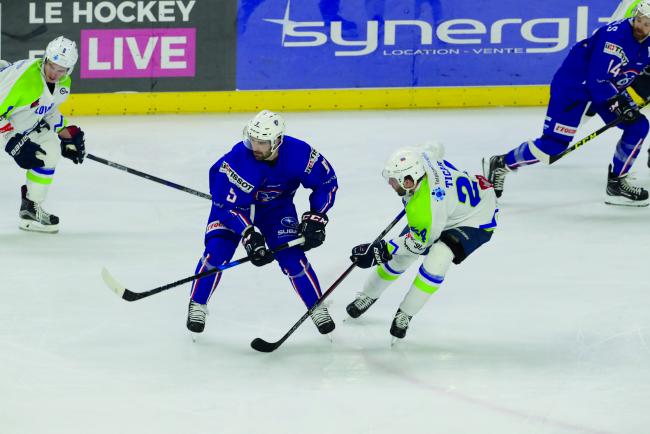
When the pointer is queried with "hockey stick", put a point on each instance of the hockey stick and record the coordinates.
(263, 346)
(129, 295)
(26, 36)
(147, 176)
(550, 159)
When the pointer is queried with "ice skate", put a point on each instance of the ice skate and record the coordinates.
(33, 218)
(196, 314)
(360, 305)
(399, 326)
(620, 192)
(495, 170)
(322, 320)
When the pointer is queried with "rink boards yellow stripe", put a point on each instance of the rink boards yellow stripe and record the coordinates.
(304, 100)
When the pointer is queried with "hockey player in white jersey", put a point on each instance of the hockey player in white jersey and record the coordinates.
(450, 214)
(33, 131)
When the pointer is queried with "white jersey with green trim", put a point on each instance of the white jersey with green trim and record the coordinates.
(445, 198)
(25, 99)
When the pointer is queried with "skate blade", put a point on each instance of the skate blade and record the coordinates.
(195, 337)
(616, 201)
(485, 163)
(32, 226)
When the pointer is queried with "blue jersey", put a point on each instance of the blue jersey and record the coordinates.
(238, 181)
(604, 64)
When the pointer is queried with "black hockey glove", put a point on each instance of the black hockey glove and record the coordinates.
(74, 148)
(24, 151)
(255, 248)
(367, 255)
(312, 227)
(624, 107)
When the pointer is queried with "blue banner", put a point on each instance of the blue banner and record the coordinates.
(320, 44)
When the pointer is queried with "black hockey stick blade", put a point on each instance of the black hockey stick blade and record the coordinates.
(259, 344)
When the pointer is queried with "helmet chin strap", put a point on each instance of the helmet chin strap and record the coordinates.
(274, 152)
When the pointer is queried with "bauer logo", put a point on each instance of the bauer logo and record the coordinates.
(133, 53)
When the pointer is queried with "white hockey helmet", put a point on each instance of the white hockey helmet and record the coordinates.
(642, 9)
(63, 52)
(404, 163)
(265, 126)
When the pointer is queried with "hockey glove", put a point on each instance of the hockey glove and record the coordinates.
(256, 250)
(312, 228)
(367, 255)
(624, 107)
(25, 152)
(74, 148)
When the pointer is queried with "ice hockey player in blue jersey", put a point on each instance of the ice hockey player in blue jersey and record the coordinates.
(596, 72)
(252, 189)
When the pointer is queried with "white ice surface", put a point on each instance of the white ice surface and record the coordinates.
(546, 329)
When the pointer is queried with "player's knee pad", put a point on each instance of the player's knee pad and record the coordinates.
(437, 262)
(220, 247)
(637, 130)
(49, 141)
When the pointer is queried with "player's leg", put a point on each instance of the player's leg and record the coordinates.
(378, 281)
(563, 117)
(619, 191)
(38, 180)
(454, 245)
(382, 276)
(219, 249)
(279, 225)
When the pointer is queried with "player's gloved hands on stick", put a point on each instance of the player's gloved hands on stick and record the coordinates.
(624, 107)
(25, 152)
(74, 148)
(256, 248)
(312, 227)
(367, 255)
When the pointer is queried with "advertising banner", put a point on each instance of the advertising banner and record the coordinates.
(143, 46)
(312, 44)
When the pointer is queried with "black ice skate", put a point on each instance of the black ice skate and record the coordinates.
(400, 324)
(495, 170)
(322, 319)
(196, 314)
(648, 157)
(33, 218)
(619, 192)
(360, 305)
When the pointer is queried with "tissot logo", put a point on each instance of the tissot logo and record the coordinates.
(456, 33)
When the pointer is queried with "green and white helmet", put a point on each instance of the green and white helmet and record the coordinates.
(404, 163)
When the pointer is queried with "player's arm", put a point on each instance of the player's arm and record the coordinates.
(232, 189)
(319, 176)
(605, 63)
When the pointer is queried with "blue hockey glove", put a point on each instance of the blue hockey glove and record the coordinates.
(256, 248)
(312, 227)
(24, 151)
(367, 255)
(74, 148)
